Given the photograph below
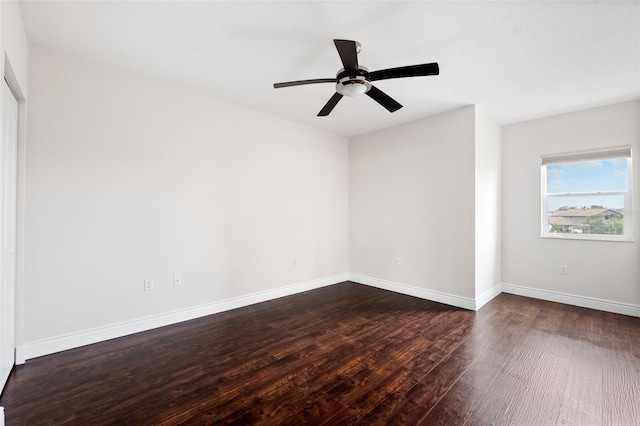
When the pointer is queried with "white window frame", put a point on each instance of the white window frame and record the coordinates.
(591, 155)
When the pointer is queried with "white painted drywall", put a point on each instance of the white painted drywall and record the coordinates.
(598, 269)
(129, 178)
(487, 202)
(412, 197)
(14, 41)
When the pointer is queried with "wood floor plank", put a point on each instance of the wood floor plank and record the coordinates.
(540, 402)
(498, 337)
(583, 397)
(621, 388)
(347, 354)
(435, 384)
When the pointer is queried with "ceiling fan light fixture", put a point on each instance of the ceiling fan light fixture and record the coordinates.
(353, 86)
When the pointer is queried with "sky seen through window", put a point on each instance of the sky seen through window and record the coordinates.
(587, 176)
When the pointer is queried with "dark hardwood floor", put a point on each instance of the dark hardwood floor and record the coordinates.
(348, 354)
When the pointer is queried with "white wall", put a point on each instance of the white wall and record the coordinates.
(488, 181)
(412, 197)
(129, 178)
(15, 45)
(597, 269)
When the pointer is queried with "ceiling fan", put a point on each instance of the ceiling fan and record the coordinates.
(354, 79)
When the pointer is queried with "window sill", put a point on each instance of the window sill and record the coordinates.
(588, 237)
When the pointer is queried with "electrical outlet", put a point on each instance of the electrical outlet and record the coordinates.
(177, 280)
(294, 263)
(148, 284)
(398, 262)
(564, 270)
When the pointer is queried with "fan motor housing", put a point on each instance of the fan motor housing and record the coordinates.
(362, 71)
(351, 77)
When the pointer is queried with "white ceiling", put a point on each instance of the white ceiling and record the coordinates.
(521, 59)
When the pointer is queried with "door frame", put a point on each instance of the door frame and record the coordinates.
(12, 81)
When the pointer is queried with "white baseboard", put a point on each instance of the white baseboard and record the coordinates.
(20, 358)
(423, 293)
(86, 337)
(571, 299)
(486, 297)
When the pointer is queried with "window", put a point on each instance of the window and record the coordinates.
(587, 195)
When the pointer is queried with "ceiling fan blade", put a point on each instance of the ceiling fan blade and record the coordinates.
(383, 99)
(328, 107)
(301, 82)
(348, 51)
(410, 71)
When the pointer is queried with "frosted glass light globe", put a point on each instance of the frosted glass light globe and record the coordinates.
(353, 89)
